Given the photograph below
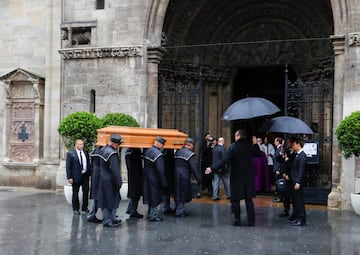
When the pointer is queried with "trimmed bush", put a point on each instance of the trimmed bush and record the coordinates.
(348, 135)
(79, 125)
(118, 119)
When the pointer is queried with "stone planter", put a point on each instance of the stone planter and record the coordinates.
(68, 194)
(124, 191)
(355, 202)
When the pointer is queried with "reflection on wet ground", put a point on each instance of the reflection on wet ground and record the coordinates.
(41, 222)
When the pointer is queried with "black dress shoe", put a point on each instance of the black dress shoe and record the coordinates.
(292, 218)
(94, 220)
(216, 199)
(277, 200)
(76, 212)
(198, 195)
(136, 215)
(111, 225)
(298, 223)
(181, 215)
(116, 221)
(156, 219)
(283, 214)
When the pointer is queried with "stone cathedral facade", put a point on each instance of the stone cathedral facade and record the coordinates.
(175, 64)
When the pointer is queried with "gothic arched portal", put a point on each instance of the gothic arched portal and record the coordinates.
(219, 51)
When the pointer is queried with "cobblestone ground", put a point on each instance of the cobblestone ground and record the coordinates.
(41, 222)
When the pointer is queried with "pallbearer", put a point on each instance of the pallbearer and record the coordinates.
(154, 178)
(110, 181)
(185, 164)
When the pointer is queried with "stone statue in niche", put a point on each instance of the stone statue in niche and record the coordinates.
(7, 89)
(78, 37)
(163, 39)
(81, 38)
(65, 38)
(36, 90)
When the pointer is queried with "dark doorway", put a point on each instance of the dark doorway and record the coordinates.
(260, 81)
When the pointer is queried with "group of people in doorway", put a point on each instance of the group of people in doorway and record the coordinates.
(286, 163)
(156, 174)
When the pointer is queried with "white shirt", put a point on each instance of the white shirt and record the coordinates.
(84, 163)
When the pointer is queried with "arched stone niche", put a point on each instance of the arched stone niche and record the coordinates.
(23, 140)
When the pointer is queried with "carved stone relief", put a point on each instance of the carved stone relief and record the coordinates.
(354, 39)
(25, 97)
(21, 153)
(109, 52)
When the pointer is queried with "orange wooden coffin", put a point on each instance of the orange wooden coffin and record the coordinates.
(135, 137)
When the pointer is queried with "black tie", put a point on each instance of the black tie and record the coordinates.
(81, 160)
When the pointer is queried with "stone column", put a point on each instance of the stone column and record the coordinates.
(334, 198)
(154, 55)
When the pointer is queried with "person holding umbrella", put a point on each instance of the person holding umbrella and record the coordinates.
(239, 156)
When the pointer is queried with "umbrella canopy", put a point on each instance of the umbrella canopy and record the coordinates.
(250, 107)
(289, 125)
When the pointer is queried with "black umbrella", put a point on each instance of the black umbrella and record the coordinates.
(250, 107)
(289, 125)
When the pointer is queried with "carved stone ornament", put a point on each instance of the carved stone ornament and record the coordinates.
(338, 42)
(354, 39)
(108, 52)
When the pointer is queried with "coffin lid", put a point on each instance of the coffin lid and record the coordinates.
(136, 137)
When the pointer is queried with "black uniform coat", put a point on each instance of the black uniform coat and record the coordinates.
(74, 168)
(185, 164)
(239, 156)
(95, 174)
(135, 169)
(287, 170)
(110, 178)
(154, 176)
(298, 169)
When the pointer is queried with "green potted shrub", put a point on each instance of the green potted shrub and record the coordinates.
(118, 119)
(79, 125)
(348, 135)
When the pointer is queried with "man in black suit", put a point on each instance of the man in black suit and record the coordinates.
(297, 180)
(219, 168)
(239, 156)
(78, 172)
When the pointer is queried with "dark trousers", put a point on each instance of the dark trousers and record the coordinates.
(235, 204)
(299, 204)
(277, 177)
(207, 183)
(287, 197)
(75, 196)
(132, 206)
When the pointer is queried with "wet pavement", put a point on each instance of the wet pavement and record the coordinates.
(41, 222)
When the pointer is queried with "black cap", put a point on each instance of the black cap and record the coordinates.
(115, 138)
(160, 140)
(189, 141)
